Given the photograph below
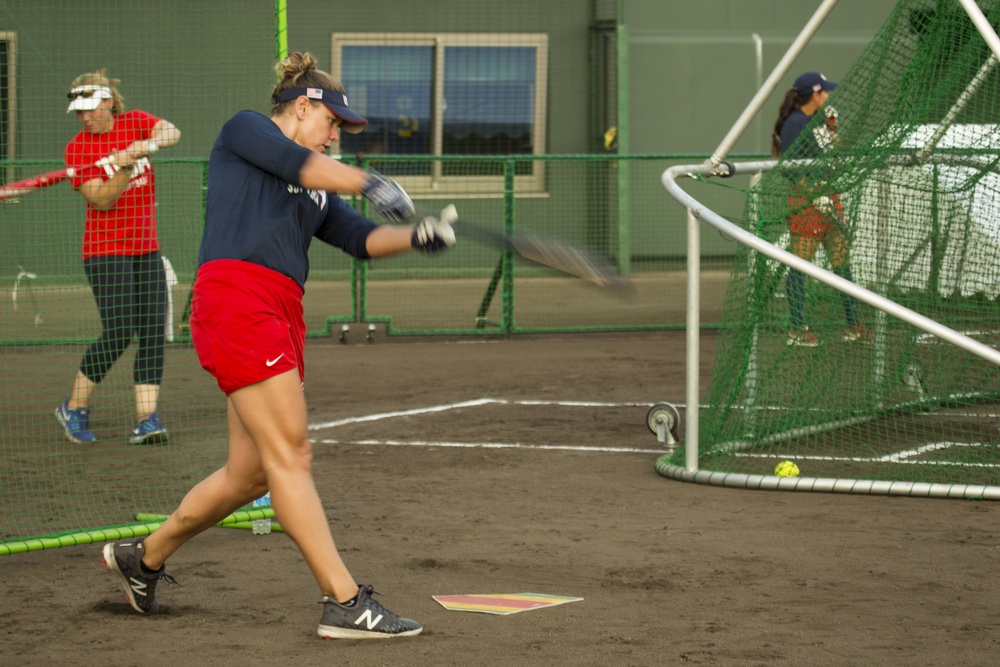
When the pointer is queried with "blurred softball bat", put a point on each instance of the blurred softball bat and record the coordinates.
(547, 251)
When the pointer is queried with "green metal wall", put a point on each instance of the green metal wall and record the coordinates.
(193, 63)
(691, 69)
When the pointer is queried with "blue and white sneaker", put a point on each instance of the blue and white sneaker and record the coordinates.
(149, 432)
(76, 423)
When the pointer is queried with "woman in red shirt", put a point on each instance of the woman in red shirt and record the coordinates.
(121, 258)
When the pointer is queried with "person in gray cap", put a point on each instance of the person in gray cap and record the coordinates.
(816, 216)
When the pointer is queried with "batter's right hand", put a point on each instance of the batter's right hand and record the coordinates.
(824, 205)
(434, 233)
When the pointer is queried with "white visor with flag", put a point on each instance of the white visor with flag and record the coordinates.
(87, 98)
(335, 101)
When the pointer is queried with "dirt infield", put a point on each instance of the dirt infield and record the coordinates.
(526, 466)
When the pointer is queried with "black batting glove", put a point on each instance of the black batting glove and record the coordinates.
(388, 198)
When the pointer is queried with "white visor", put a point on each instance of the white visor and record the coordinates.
(87, 98)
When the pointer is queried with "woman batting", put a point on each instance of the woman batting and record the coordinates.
(270, 191)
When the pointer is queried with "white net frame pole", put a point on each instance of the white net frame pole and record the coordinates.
(982, 25)
(693, 338)
(737, 233)
(701, 212)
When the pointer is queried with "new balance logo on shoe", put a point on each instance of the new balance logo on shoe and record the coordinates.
(271, 362)
(138, 586)
(368, 620)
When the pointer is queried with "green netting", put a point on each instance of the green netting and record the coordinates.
(497, 108)
(914, 162)
(48, 485)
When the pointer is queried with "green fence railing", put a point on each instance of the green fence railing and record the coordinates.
(473, 289)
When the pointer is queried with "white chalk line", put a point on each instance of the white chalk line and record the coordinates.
(399, 413)
(906, 457)
(903, 457)
(491, 445)
(465, 404)
(499, 401)
(478, 445)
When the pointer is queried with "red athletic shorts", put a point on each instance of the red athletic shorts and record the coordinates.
(246, 322)
(807, 220)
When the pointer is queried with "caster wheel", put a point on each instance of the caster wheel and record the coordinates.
(342, 336)
(370, 336)
(666, 415)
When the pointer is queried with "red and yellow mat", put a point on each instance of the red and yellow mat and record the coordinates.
(501, 603)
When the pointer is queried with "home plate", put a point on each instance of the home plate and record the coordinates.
(502, 603)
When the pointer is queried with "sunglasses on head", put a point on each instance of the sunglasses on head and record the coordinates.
(87, 92)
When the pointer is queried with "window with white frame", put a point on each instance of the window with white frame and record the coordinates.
(447, 94)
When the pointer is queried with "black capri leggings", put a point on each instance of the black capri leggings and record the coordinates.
(131, 295)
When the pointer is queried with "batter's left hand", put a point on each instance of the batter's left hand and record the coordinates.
(388, 197)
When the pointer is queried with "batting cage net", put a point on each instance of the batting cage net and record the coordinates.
(905, 201)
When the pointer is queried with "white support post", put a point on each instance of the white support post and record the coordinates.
(693, 341)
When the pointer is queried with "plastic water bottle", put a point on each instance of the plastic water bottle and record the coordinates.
(262, 526)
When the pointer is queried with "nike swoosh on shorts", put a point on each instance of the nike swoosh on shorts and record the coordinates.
(271, 362)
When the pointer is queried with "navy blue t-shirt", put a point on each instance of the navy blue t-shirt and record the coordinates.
(790, 131)
(799, 145)
(258, 212)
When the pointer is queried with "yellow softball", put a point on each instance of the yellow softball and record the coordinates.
(786, 469)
